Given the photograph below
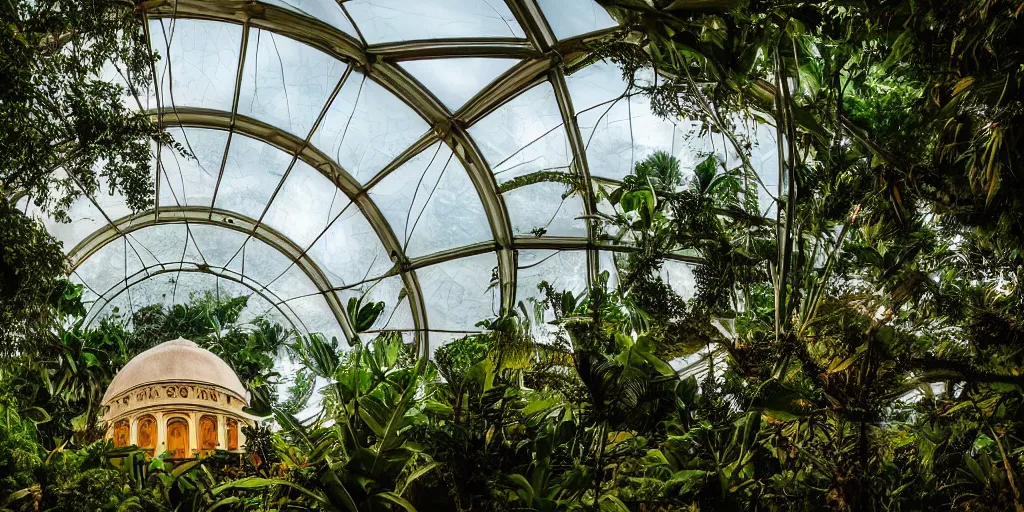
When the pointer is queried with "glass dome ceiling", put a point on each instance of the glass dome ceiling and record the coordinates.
(361, 147)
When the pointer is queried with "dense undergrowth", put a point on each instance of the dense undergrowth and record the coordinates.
(877, 402)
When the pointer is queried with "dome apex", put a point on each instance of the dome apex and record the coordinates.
(177, 361)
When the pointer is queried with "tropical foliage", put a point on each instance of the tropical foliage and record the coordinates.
(59, 384)
(873, 402)
(63, 122)
(856, 346)
(69, 70)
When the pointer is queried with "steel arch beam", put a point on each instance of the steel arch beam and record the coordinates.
(540, 31)
(222, 219)
(452, 133)
(579, 163)
(339, 44)
(530, 19)
(264, 16)
(378, 61)
(542, 55)
(272, 299)
(291, 144)
(444, 48)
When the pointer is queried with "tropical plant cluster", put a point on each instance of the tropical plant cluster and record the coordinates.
(853, 340)
(51, 393)
(873, 404)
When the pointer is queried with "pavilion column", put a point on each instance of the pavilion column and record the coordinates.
(241, 436)
(193, 433)
(133, 430)
(222, 432)
(161, 433)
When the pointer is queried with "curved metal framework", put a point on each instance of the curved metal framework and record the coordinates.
(544, 58)
(153, 271)
(221, 218)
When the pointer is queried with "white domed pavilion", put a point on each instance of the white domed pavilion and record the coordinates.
(177, 397)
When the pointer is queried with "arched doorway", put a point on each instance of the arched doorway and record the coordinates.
(122, 433)
(207, 434)
(147, 433)
(232, 434)
(177, 438)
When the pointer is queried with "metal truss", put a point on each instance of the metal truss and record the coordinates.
(543, 58)
(123, 286)
(221, 218)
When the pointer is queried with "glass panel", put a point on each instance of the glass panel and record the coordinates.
(256, 306)
(679, 276)
(86, 217)
(563, 270)
(305, 205)
(112, 205)
(676, 274)
(261, 304)
(191, 181)
(140, 292)
(595, 85)
(293, 283)
(405, 20)
(251, 174)
(458, 293)
(366, 127)
(218, 245)
(189, 285)
(286, 83)
(316, 316)
(455, 81)
(551, 153)
(349, 251)
(178, 287)
(606, 263)
(89, 296)
(569, 18)
(540, 210)
(525, 136)
(624, 133)
(198, 62)
(619, 130)
(109, 265)
(517, 124)
(325, 11)
(431, 203)
(161, 289)
(764, 157)
(102, 309)
(259, 263)
(166, 243)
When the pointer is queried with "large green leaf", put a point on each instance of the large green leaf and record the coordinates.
(688, 480)
(36, 414)
(393, 498)
(336, 492)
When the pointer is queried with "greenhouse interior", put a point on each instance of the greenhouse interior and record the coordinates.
(511, 255)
